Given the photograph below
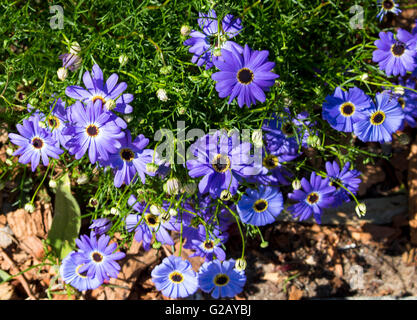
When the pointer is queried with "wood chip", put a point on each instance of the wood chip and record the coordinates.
(295, 293)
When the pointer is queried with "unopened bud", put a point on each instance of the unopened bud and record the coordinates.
(9, 151)
(173, 212)
(75, 48)
(217, 52)
(123, 59)
(151, 167)
(156, 245)
(264, 244)
(83, 179)
(172, 186)
(399, 91)
(360, 209)
(190, 188)
(313, 141)
(62, 73)
(114, 211)
(29, 207)
(154, 210)
(296, 184)
(165, 216)
(404, 139)
(182, 110)
(9, 162)
(185, 30)
(257, 138)
(225, 195)
(240, 264)
(364, 76)
(162, 95)
(52, 184)
(165, 70)
(110, 104)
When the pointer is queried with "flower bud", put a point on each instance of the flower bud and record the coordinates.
(296, 184)
(172, 186)
(162, 95)
(110, 104)
(190, 188)
(185, 30)
(313, 141)
(165, 216)
(9, 151)
(9, 162)
(151, 167)
(154, 210)
(217, 52)
(165, 70)
(264, 244)
(399, 91)
(225, 195)
(52, 183)
(62, 73)
(114, 211)
(156, 245)
(173, 212)
(75, 47)
(404, 139)
(182, 110)
(257, 138)
(29, 207)
(123, 59)
(240, 264)
(364, 77)
(360, 209)
(82, 179)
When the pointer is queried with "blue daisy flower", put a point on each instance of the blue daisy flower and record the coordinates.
(348, 178)
(245, 76)
(208, 245)
(222, 161)
(101, 226)
(387, 6)
(396, 56)
(99, 257)
(175, 278)
(260, 207)
(92, 129)
(316, 195)
(147, 226)
(105, 92)
(130, 158)
(221, 279)
(70, 273)
(35, 143)
(408, 102)
(381, 120)
(343, 109)
(206, 46)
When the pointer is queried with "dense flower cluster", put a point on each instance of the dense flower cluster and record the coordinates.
(227, 182)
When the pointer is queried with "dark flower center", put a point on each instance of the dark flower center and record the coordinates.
(127, 154)
(37, 143)
(208, 244)
(92, 130)
(388, 4)
(176, 277)
(97, 257)
(312, 198)
(286, 128)
(152, 220)
(336, 182)
(221, 163)
(347, 109)
(53, 122)
(260, 205)
(245, 76)
(221, 279)
(378, 118)
(401, 101)
(270, 162)
(82, 275)
(398, 49)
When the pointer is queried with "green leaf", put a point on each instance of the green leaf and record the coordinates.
(67, 219)
(4, 275)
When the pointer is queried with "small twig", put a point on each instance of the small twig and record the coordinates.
(21, 277)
